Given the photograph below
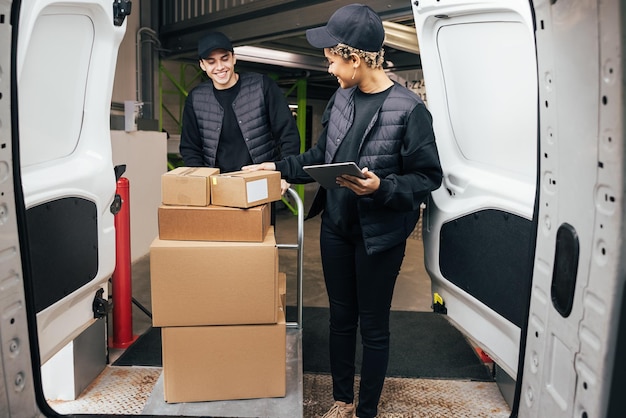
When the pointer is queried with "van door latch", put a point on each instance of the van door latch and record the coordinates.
(116, 205)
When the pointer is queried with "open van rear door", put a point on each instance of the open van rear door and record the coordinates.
(524, 241)
(65, 65)
(479, 67)
(57, 183)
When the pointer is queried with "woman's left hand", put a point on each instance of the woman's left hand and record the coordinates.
(361, 187)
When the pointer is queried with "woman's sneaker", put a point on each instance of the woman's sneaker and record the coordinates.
(340, 410)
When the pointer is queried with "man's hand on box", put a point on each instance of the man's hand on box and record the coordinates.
(263, 166)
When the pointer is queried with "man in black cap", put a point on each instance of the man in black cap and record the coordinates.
(234, 119)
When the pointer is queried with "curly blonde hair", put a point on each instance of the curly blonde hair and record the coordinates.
(372, 59)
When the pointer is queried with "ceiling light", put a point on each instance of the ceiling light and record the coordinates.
(279, 58)
(401, 37)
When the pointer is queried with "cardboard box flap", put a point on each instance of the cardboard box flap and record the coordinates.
(205, 172)
(187, 186)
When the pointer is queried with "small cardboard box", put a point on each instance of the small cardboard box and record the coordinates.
(214, 223)
(196, 283)
(244, 189)
(224, 362)
(187, 186)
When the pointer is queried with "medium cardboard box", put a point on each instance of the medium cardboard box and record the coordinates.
(224, 362)
(244, 189)
(195, 283)
(214, 223)
(187, 186)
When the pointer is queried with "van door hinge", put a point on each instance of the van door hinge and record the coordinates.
(121, 9)
(101, 307)
(116, 205)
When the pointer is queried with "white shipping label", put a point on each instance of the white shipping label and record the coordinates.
(257, 190)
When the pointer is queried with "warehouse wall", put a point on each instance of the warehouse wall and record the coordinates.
(125, 86)
(143, 152)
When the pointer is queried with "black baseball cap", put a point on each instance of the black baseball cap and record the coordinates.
(213, 41)
(355, 25)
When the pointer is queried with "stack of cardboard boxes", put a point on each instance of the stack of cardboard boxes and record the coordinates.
(216, 290)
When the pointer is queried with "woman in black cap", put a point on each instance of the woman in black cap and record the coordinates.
(387, 130)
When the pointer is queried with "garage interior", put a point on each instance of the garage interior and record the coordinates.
(268, 36)
(157, 66)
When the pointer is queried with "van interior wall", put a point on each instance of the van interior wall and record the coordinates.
(145, 155)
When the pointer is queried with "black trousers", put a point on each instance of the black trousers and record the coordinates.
(360, 289)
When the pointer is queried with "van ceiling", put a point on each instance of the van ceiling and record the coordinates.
(269, 35)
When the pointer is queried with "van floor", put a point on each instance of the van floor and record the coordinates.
(138, 390)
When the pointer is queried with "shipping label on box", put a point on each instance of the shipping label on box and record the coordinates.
(244, 189)
(197, 283)
(214, 223)
(187, 186)
(224, 362)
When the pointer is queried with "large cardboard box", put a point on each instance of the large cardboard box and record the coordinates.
(195, 283)
(244, 189)
(214, 223)
(187, 186)
(224, 362)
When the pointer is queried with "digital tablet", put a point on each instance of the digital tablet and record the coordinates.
(325, 174)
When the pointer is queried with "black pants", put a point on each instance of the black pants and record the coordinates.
(360, 289)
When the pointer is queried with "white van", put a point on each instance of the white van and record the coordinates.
(57, 183)
(523, 241)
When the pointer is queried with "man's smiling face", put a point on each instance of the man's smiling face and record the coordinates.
(220, 67)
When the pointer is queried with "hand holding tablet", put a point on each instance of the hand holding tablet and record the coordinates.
(326, 174)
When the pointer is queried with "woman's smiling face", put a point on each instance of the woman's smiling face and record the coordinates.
(343, 69)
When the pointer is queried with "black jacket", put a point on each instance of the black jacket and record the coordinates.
(406, 160)
(267, 125)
